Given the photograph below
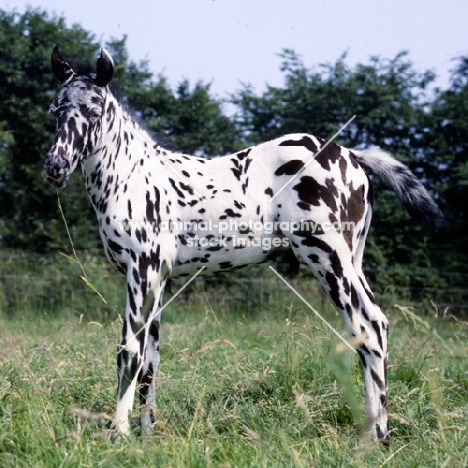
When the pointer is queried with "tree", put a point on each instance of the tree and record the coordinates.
(446, 141)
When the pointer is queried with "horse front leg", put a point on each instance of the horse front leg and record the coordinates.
(147, 377)
(138, 350)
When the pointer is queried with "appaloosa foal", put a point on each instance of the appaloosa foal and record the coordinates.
(163, 214)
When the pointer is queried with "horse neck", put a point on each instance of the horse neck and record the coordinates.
(123, 143)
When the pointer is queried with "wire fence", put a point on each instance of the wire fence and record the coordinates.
(51, 282)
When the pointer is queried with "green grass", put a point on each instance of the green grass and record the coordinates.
(256, 382)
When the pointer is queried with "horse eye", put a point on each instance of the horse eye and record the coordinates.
(93, 113)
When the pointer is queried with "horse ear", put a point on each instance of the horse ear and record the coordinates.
(104, 68)
(61, 69)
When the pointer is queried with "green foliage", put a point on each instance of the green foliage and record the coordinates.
(383, 95)
(447, 142)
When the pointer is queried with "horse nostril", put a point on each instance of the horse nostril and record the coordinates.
(54, 159)
(49, 163)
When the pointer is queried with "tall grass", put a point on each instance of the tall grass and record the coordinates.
(248, 378)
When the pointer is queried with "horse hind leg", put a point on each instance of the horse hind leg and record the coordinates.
(363, 318)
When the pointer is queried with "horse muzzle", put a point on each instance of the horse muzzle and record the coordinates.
(57, 170)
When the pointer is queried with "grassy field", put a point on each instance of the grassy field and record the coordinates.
(253, 381)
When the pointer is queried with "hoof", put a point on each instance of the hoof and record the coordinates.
(378, 435)
(121, 428)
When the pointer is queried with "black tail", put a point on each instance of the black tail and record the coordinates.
(407, 188)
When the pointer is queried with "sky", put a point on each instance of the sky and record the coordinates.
(232, 42)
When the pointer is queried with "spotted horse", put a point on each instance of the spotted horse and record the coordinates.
(155, 207)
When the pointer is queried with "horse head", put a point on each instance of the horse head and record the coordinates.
(78, 110)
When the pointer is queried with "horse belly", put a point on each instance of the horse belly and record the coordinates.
(223, 253)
